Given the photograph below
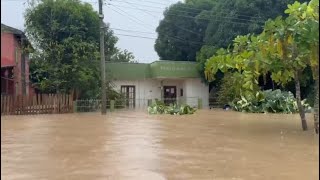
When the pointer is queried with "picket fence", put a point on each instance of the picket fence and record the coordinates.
(36, 104)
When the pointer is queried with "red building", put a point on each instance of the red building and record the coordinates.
(14, 62)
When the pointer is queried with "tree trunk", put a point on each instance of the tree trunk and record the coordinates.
(300, 107)
(316, 103)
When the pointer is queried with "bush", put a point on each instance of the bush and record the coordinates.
(160, 108)
(269, 101)
(228, 89)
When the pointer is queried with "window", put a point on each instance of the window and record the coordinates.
(181, 92)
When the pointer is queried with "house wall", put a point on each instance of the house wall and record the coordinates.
(145, 89)
(11, 56)
(17, 68)
(151, 89)
(7, 50)
(196, 89)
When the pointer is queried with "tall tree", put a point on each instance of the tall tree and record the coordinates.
(240, 17)
(188, 26)
(65, 34)
(285, 48)
(180, 36)
(306, 34)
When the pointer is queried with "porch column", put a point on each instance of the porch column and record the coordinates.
(161, 89)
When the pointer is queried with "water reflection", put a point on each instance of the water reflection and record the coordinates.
(133, 145)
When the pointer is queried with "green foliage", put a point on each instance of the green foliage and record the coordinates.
(229, 89)
(188, 26)
(269, 102)
(243, 17)
(179, 36)
(285, 48)
(276, 50)
(160, 108)
(65, 35)
(307, 86)
(202, 56)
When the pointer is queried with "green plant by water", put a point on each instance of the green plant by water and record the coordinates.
(269, 101)
(160, 108)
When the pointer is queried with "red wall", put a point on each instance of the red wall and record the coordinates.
(9, 46)
(7, 50)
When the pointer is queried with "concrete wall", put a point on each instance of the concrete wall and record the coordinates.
(145, 89)
(196, 89)
(151, 89)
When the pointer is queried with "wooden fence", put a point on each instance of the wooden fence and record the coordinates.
(36, 104)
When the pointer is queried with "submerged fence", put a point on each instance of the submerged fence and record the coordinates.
(94, 105)
(63, 103)
(36, 104)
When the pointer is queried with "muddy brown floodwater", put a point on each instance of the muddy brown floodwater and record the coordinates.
(133, 145)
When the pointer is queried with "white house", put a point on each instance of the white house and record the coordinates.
(170, 81)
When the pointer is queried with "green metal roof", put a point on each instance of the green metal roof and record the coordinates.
(127, 71)
(157, 69)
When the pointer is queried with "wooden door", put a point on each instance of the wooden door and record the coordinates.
(170, 94)
(130, 95)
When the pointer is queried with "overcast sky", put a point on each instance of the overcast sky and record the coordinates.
(126, 17)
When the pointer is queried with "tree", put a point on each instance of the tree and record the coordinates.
(65, 34)
(180, 36)
(188, 26)
(202, 56)
(286, 57)
(113, 53)
(282, 49)
(122, 56)
(306, 27)
(240, 17)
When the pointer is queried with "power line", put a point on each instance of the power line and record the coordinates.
(143, 32)
(186, 8)
(130, 7)
(190, 8)
(208, 18)
(170, 37)
(153, 2)
(138, 7)
(121, 1)
(187, 30)
(218, 20)
(128, 16)
(128, 35)
(176, 25)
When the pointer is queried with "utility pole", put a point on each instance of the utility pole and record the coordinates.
(103, 63)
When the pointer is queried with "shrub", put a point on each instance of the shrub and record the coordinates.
(160, 108)
(269, 101)
(228, 89)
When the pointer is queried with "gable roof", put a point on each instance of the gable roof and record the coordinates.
(8, 29)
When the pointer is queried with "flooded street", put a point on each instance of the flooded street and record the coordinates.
(136, 146)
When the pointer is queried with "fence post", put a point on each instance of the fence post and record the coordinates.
(180, 101)
(74, 106)
(199, 103)
(111, 105)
